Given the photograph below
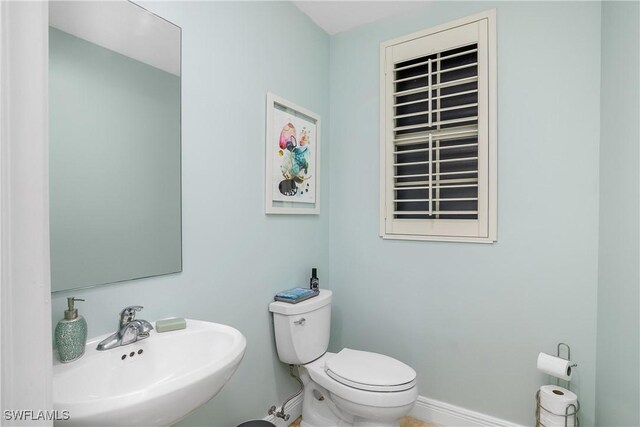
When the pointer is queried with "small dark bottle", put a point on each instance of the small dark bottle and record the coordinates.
(314, 282)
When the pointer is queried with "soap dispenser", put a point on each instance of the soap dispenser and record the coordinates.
(71, 333)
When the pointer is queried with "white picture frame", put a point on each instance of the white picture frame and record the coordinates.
(292, 158)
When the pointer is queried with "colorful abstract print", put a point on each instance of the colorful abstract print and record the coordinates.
(294, 161)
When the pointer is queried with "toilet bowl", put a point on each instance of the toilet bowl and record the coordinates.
(348, 388)
(370, 389)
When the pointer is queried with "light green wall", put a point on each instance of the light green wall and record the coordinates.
(618, 375)
(114, 156)
(471, 318)
(235, 257)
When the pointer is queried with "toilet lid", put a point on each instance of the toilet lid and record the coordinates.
(370, 371)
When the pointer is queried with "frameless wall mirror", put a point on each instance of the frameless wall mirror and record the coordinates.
(114, 111)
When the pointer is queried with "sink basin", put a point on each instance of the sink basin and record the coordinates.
(153, 382)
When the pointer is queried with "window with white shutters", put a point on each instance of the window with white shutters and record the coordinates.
(438, 133)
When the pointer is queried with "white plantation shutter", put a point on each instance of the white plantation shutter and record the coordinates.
(436, 142)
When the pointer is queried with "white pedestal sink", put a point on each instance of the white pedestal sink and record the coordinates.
(153, 382)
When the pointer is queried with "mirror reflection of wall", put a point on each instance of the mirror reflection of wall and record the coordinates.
(115, 179)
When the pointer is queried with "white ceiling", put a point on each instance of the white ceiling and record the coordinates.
(337, 16)
(123, 27)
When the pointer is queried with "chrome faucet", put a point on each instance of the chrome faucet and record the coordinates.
(129, 330)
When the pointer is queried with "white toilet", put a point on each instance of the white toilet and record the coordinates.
(348, 388)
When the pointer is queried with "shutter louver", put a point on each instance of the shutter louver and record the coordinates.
(435, 135)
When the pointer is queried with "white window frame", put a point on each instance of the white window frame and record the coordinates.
(489, 216)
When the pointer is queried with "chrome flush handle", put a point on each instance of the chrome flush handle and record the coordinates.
(300, 322)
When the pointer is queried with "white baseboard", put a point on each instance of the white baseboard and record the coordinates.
(435, 411)
(447, 415)
(294, 409)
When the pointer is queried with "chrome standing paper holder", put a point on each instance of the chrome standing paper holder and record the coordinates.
(571, 410)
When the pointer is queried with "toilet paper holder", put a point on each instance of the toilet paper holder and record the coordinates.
(571, 410)
(574, 365)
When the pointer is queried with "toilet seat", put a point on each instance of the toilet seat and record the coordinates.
(368, 371)
(318, 372)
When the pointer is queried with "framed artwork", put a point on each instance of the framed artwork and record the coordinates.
(292, 179)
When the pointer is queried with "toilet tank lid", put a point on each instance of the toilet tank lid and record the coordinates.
(305, 306)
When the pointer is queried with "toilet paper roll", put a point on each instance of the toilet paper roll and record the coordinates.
(555, 366)
(555, 401)
(555, 421)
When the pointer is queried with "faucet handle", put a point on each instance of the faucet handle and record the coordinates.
(144, 328)
(128, 314)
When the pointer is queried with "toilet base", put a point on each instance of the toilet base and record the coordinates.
(317, 408)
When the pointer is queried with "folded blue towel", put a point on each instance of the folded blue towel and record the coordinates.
(295, 295)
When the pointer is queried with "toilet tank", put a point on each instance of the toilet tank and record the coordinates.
(302, 329)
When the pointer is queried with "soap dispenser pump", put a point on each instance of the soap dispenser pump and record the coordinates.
(71, 333)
